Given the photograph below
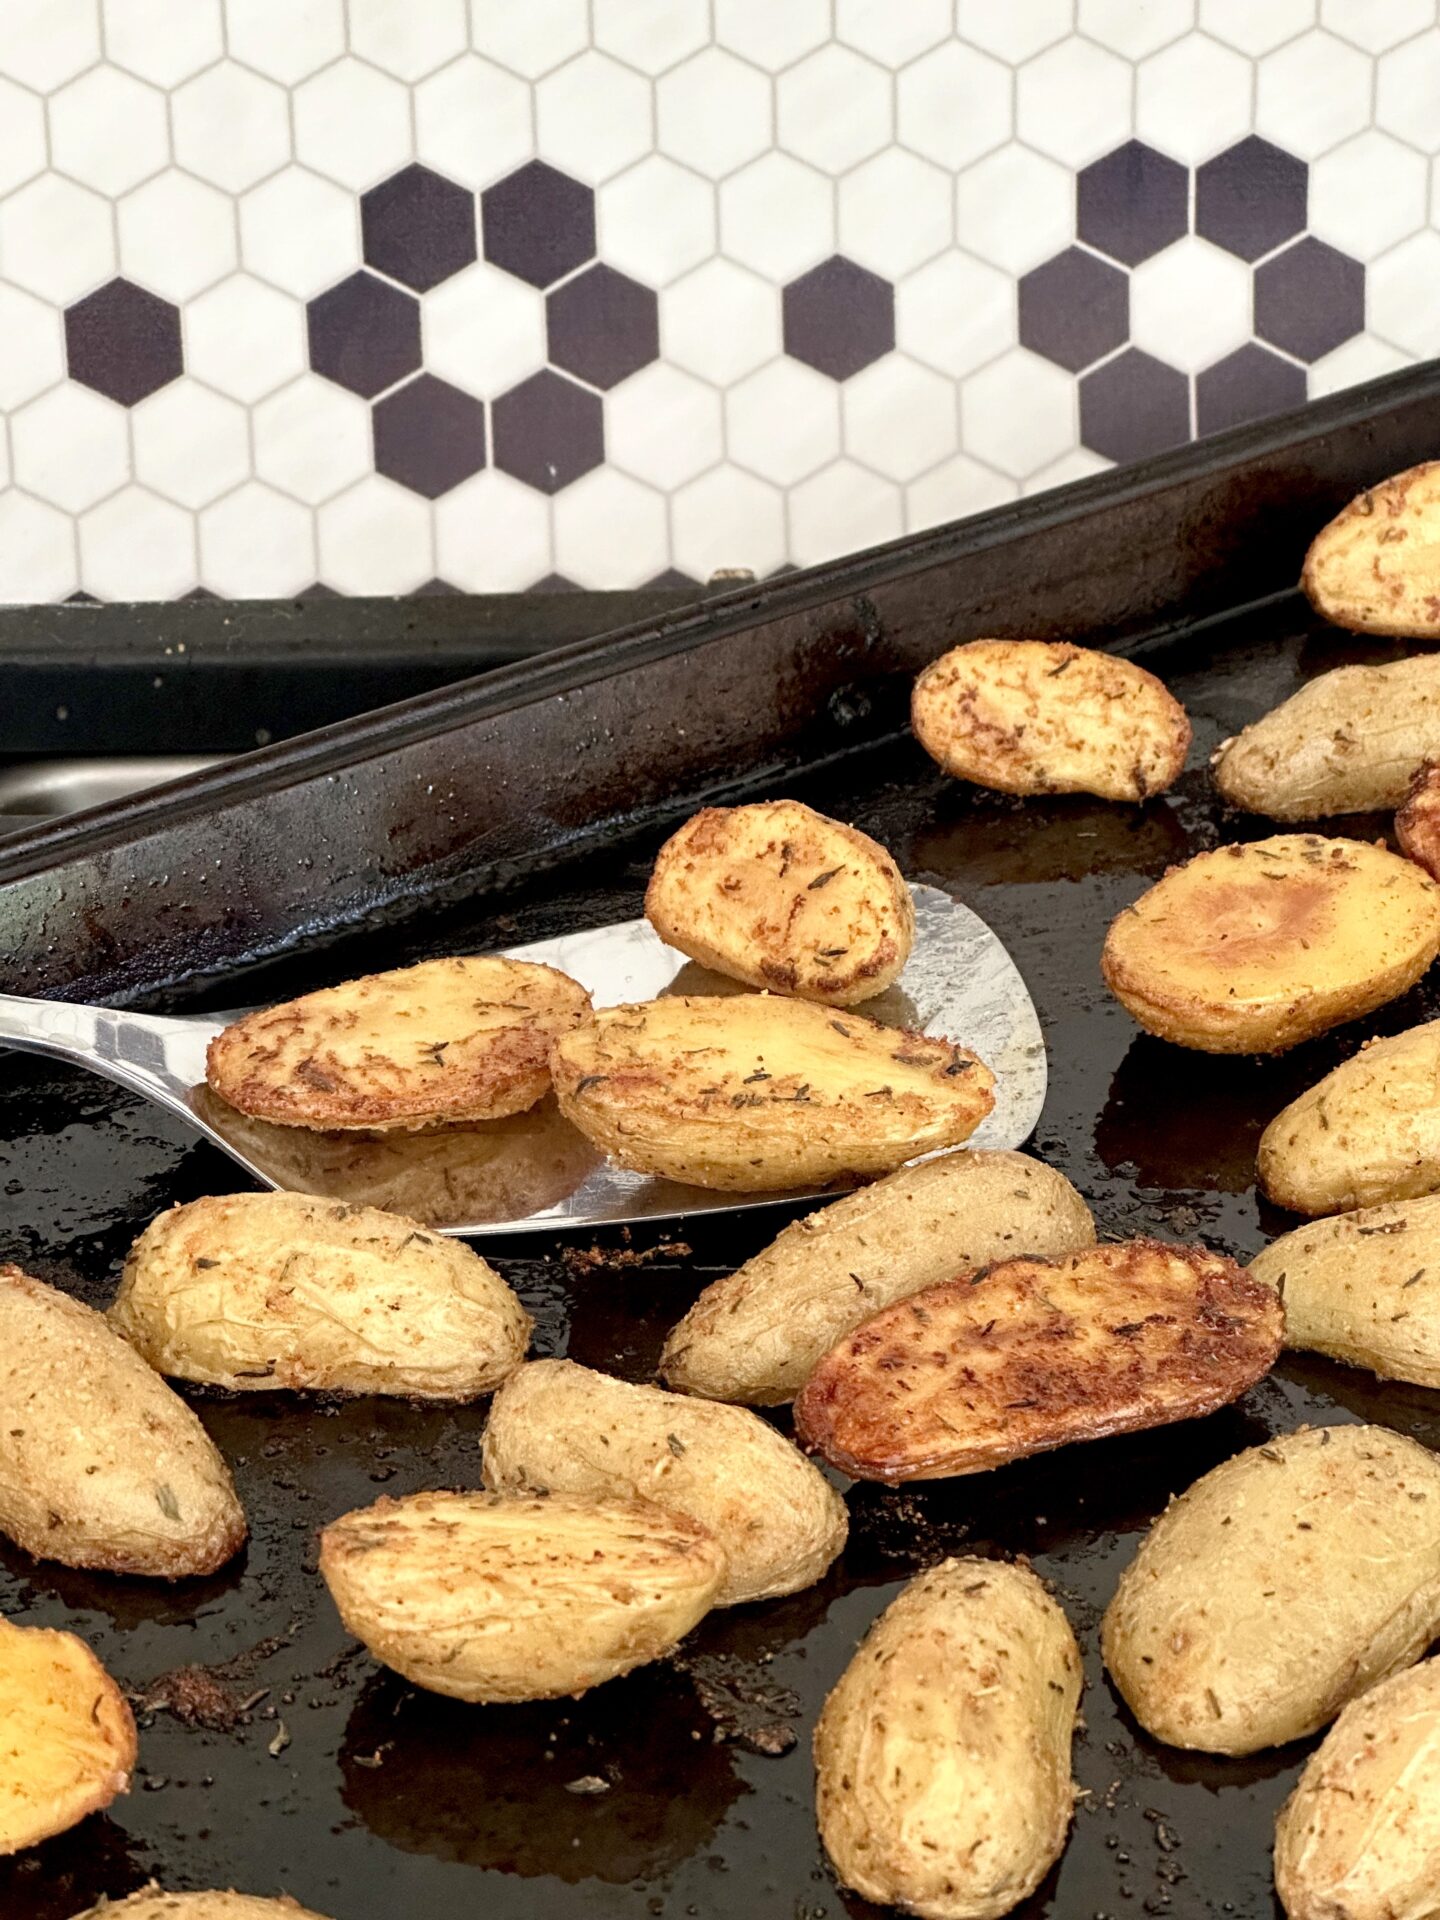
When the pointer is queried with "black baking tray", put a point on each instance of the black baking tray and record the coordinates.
(344, 1786)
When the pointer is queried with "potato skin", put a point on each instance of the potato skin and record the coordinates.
(151, 1904)
(1041, 716)
(1359, 1838)
(1417, 824)
(752, 1093)
(262, 1291)
(942, 1757)
(558, 1427)
(757, 1335)
(492, 1597)
(1283, 1584)
(1254, 948)
(101, 1464)
(1376, 567)
(67, 1736)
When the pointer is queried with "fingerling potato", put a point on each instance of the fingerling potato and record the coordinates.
(1033, 1354)
(750, 1092)
(491, 1597)
(261, 1291)
(151, 1904)
(1417, 824)
(561, 1428)
(1254, 948)
(1376, 567)
(1284, 1583)
(942, 1757)
(67, 1737)
(101, 1464)
(461, 1039)
(1041, 716)
(758, 1335)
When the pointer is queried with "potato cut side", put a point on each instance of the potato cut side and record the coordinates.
(1376, 567)
(462, 1039)
(1034, 1354)
(1417, 824)
(1040, 716)
(154, 1905)
(1254, 948)
(67, 1737)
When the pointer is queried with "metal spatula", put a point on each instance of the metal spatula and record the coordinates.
(535, 1170)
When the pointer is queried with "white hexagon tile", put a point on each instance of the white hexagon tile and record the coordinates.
(370, 296)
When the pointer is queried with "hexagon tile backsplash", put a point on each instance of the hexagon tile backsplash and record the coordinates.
(375, 295)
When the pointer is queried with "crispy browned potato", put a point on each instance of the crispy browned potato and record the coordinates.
(67, 1738)
(1034, 1354)
(1041, 716)
(1376, 567)
(1417, 824)
(151, 1904)
(1254, 948)
(462, 1039)
(751, 1092)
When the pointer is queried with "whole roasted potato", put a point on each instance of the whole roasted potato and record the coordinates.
(1284, 1583)
(489, 1596)
(1417, 824)
(753, 1093)
(1369, 1131)
(557, 1427)
(780, 896)
(259, 1291)
(942, 1757)
(1040, 716)
(462, 1039)
(1253, 948)
(1376, 567)
(151, 1904)
(1359, 1838)
(67, 1737)
(101, 1464)
(757, 1335)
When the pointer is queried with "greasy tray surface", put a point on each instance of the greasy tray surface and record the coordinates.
(386, 1803)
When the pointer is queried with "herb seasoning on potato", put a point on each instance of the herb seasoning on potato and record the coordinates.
(154, 1905)
(67, 1737)
(1376, 567)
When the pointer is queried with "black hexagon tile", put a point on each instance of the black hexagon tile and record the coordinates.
(364, 334)
(1133, 406)
(602, 326)
(1074, 309)
(547, 431)
(553, 583)
(1246, 385)
(1251, 198)
(839, 317)
(123, 342)
(1309, 299)
(429, 436)
(418, 227)
(1132, 202)
(538, 224)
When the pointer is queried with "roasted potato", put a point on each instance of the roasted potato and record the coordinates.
(1033, 1354)
(1364, 1288)
(1253, 948)
(1041, 716)
(559, 1428)
(942, 1757)
(151, 1904)
(259, 1291)
(753, 1093)
(101, 1464)
(463, 1039)
(1284, 1583)
(1376, 567)
(67, 1737)
(757, 1336)
(1417, 824)
(1368, 1132)
(489, 1596)
(780, 896)
(1359, 1838)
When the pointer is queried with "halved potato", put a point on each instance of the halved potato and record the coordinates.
(1417, 824)
(1034, 1354)
(151, 1904)
(753, 1093)
(1376, 567)
(67, 1737)
(462, 1039)
(1254, 948)
(1041, 716)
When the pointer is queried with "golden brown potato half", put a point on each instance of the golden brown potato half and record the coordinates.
(780, 896)
(463, 1039)
(262, 1291)
(101, 1464)
(151, 1904)
(1284, 1583)
(1350, 741)
(758, 1335)
(751, 1092)
(67, 1737)
(559, 1428)
(1376, 567)
(942, 1757)
(1359, 1838)
(1034, 1354)
(492, 1596)
(1041, 716)
(1369, 1131)
(1254, 948)
(1417, 824)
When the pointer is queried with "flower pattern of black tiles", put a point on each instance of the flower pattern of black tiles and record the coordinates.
(123, 342)
(418, 228)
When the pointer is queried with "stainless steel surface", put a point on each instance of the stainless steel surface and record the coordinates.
(49, 788)
(535, 1171)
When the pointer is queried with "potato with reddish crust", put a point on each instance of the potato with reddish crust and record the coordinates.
(1417, 824)
(1376, 567)
(1034, 1354)
(1041, 716)
(67, 1738)
(461, 1039)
